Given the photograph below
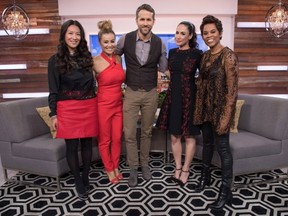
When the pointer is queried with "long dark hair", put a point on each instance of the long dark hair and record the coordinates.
(82, 57)
(191, 28)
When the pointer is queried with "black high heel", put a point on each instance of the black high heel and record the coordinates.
(202, 183)
(82, 196)
(87, 188)
(173, 178)
(180, 182)
(225, 197)
(205, 179)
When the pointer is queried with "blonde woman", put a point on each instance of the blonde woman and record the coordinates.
(110, 76)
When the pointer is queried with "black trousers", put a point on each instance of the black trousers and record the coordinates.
(212, 139)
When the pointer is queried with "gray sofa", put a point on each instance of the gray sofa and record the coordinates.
(26, 143)
(262, 141)
(260, 145)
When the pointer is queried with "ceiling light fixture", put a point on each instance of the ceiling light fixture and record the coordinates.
(15, 21)
(276, 20)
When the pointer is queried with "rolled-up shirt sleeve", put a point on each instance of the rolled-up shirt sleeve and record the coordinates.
(163, 62)
(120, 45)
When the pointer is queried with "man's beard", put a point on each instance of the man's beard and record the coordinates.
(145, 33)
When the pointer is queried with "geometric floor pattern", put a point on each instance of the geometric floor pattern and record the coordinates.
(159, 196)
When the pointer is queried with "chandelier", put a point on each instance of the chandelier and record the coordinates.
(277, 19)
(15, 22)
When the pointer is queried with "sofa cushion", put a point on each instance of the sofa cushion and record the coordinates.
(47, 149)
(42, 147)
(248, 145)
(44, 113)
(239, 105)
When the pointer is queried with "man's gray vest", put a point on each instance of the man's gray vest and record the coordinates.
(141, 76)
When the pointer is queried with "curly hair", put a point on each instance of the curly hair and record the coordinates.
(191, 28)
(209, 19)
(82, 57)
(105, 27)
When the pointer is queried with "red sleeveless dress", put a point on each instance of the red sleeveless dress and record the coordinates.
(110, 116)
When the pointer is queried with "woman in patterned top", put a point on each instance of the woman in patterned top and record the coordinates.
(217, 89)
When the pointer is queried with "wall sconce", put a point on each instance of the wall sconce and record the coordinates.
(276, 21)
(15, 22)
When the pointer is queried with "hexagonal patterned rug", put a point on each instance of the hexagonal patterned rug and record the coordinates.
(158, 196)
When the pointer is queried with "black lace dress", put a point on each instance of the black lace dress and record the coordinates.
(176, 113)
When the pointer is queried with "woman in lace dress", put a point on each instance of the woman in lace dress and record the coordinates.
(176, 115)
(217, 89)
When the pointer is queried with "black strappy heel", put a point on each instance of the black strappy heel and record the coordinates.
(173, 178)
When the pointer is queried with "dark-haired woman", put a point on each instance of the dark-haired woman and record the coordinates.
(217, 89)
(176, 115)
(72, 100)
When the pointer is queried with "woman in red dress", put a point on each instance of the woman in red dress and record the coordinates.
(110, 76)
(72, 100)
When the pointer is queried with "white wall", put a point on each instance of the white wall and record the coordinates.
(168, 14)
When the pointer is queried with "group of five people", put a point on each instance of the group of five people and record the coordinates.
(192, 105)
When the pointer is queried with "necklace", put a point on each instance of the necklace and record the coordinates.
(211, 57)
(219, 50)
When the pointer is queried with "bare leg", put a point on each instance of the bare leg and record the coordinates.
(189, 154)
(177, 154)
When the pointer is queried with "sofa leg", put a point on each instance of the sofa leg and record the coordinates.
(232, 183)
(57, 188)
(58, 183)
(164, 157)
(5, 174)
(168, 157)
(276, 178)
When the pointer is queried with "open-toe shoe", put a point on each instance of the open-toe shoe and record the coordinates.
(112, 177)
(174, 178)
(119, 176)
(114, 180)
(181, 182)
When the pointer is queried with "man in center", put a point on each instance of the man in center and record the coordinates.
(145, 55)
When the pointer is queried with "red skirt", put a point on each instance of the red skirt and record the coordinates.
(77, 119)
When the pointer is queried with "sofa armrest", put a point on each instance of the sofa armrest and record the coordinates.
(265, 116)
(20, 120)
